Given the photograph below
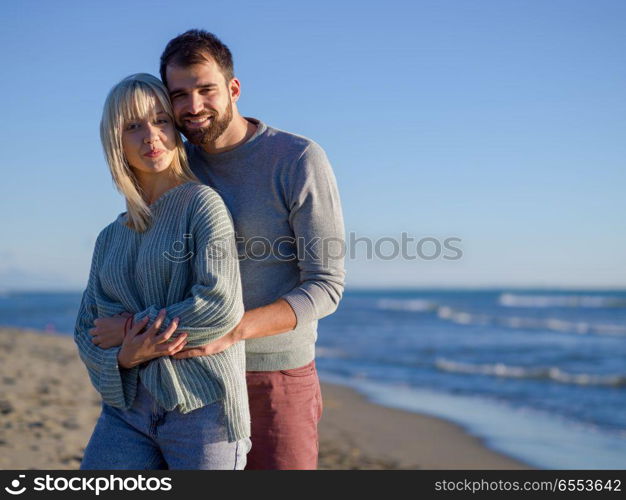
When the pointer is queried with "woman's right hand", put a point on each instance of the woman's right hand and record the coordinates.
(139, 347)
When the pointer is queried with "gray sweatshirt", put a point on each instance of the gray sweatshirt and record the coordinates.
(282, 194)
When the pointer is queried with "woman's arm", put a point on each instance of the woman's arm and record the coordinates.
(214, 305)
(117, 387)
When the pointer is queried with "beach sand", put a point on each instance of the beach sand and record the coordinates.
(48, 409)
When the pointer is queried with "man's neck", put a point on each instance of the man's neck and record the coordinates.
(237, 133)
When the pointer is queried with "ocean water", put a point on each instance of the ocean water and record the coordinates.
(538, 375)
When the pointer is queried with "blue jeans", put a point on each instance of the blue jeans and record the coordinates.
(147, 437)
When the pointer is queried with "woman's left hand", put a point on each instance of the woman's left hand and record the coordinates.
(109, 332)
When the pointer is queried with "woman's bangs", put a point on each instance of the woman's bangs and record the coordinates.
(137, 103)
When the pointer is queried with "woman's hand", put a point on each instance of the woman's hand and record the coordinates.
(139, 347)
(109, 332)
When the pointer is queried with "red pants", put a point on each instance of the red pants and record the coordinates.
(285, 407)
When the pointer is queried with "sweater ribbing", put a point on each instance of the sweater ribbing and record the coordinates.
(186, 262)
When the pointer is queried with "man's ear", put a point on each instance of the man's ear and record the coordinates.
(234, 87)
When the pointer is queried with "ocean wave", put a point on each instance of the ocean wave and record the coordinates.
(461, 317)
(410, 305)
(548, 373)
(328, 352)
(524, 323)
(543, 301)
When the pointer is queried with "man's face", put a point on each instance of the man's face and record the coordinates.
(201, 99)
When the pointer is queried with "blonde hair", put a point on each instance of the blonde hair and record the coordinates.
(136, 96)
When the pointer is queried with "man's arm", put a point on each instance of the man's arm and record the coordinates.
(316, 219)
(272, 319)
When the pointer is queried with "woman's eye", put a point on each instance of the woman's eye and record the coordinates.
(163, 120)
(132, 126)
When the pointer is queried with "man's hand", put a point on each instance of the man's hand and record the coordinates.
(138, 347)
(109, 332)
(214, 347)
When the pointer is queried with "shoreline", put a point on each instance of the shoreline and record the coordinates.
(48, 409)
(402, 439)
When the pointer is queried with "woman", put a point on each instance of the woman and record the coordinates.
(171, 261)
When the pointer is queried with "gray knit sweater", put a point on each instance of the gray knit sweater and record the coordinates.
(281, 192)
(185, 262)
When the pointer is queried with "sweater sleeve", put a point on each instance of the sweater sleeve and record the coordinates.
(214, 304)
(116, 386)
(317, 222)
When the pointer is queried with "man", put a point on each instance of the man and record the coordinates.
(282, 195)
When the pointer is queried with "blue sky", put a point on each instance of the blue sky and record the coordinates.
(498, 122)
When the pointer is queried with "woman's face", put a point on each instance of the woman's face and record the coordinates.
(150, 143)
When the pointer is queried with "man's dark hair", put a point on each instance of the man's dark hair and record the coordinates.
(193, 47)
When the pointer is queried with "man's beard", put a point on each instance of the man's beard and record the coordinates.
(208, 135)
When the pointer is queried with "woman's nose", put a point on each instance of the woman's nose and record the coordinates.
(151, 135)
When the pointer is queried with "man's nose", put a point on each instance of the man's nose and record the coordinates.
(195, 104)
